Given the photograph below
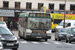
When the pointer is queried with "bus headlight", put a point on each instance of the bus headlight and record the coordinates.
(48, 32)
(28, 31)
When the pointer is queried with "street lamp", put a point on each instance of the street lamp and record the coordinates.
(64, 14)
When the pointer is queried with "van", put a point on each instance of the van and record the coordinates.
(68, 23)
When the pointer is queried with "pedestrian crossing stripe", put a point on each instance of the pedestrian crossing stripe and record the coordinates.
(23, 41)
(54, 42)
(57, 43)
(35, 42)
(68, 44)
(46, 42)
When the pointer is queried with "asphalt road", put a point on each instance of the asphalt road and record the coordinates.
(42, 45)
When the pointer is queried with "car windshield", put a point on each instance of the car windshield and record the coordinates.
(73, 30)
(39, 23)
(63, 30)
(4, 30)
(62, 23)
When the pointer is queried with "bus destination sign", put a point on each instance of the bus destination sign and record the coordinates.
(39, 15)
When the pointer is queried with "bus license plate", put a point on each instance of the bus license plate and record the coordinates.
(38, 37)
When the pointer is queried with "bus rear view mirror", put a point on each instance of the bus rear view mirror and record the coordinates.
(52, 19)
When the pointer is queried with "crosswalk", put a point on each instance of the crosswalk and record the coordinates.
(47, 43)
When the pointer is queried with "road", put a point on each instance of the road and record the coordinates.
(51, 44)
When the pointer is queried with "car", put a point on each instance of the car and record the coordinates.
(8, 39)
(2, 23)
(61, 34)
(70, 37)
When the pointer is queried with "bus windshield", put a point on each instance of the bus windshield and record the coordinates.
(39, 23)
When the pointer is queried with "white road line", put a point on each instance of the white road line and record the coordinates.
(46, 43)
(55, 42)
(68, 44)
(23, 41)
(35, 42)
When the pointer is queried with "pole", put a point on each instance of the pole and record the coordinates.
(64, 13)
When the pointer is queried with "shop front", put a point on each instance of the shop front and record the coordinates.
(7, 15)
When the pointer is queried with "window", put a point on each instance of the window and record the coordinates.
(72, 7)
(17, 5)
(5, 4)
(57, 21)
(40, 5)
(28, 5)
(62, 6)
(51, 6)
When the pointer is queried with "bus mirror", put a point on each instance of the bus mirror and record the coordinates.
(52, 19)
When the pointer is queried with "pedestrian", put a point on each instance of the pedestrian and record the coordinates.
(11, 25)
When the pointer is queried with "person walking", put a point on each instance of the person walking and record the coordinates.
(11, 25)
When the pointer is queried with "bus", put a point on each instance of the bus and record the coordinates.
(35, 25)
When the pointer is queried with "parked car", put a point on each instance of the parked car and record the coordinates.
(70, 37)
(61, 34)
(2, 23)
(8, 39)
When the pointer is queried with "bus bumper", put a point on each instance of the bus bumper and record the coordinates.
(38, 36)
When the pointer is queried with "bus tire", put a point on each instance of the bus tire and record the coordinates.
(45, 39)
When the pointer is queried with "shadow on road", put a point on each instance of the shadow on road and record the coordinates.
(32, 40)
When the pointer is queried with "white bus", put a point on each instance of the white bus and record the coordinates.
(36, 25)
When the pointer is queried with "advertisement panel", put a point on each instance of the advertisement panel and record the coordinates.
(61, 16)
(6, 12)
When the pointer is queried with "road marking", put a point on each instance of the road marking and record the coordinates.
(68, 44)
(23, 41)
(57, 42)
(45, 42)
(35, 42)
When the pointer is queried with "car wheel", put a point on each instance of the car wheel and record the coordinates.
(66, 41)
(45, 39)
(69, 41)
(55, 39)
(14, 49)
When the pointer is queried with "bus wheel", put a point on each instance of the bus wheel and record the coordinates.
(45, 39)
(55, 39)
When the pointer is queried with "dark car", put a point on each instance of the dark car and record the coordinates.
(8, 40)
(61, 34)
(70, 35)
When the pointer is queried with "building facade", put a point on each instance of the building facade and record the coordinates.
(37, 4)
(10, 9)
